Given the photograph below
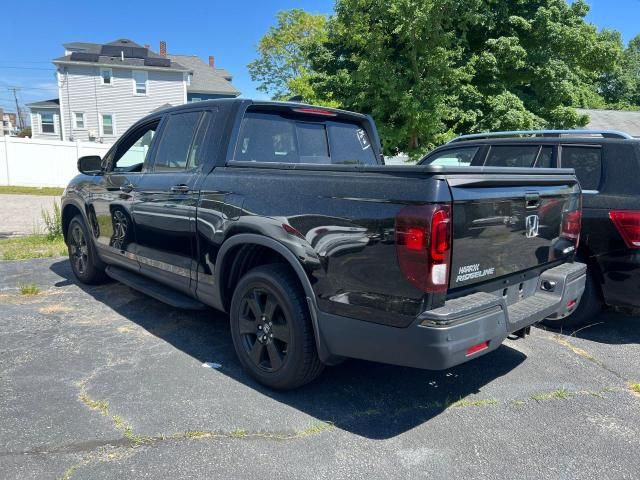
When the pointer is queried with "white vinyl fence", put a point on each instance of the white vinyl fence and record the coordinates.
(27, 162)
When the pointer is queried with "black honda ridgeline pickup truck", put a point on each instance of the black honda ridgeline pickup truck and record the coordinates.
(285, 216)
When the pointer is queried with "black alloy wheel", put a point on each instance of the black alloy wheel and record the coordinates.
(78, 249)
(85, 263)
(264, 328)
(271, 328)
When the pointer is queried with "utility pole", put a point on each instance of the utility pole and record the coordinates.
(18, 112)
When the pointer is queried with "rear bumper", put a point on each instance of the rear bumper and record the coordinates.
(439, 339)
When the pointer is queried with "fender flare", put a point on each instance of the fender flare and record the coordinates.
(254, 239)
(79, 205)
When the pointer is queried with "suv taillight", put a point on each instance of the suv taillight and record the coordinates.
(571, 224)
(628, 224)
(423, 243)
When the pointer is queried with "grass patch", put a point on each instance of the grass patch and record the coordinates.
(560, 394)
(28, 289)
(31, 246)
(53, 191)
(238, 433)
(463, 402)
(196, 434)
(100, 405)
(315, 428)
(635, 387)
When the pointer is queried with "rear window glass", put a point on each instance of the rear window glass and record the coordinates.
(267, 137)
(457, 157)
(512, 156)
(587, 162)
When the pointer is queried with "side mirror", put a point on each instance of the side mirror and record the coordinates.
(90, 165)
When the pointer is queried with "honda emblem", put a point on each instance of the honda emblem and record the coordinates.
(532, 223)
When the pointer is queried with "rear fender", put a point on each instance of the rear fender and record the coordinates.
(253, 239)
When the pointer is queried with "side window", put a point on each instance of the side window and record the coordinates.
(133, 151)
(456, 157)
(512, 156)
(587, 162)
(174, 147)
(196, 154)
(544, 158)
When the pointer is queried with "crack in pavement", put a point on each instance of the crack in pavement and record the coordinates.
(561, 340)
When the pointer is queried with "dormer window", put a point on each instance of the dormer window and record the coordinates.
(105, 76)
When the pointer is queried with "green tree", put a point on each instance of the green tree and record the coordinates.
(427, 69)
(620, 88)
(396, 60)
(282, 66)
(430, 69)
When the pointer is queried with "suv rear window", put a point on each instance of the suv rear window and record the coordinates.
(268, 137)
(512, 155)
(587, 162)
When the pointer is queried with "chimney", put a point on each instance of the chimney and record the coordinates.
(163, 48)
(146, 45)
(212, 61)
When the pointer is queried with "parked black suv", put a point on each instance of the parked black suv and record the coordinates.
(607, 164)
(283, 215)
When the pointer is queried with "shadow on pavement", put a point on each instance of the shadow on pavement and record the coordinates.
(369, 399)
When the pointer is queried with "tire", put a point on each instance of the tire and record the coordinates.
(85, 264)
(590, 305)
(271, 328)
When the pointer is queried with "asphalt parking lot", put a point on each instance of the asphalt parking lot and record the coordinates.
(105, 383)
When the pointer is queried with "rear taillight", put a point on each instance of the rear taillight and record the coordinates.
(571, 224)
(628, 224)
(423, 243)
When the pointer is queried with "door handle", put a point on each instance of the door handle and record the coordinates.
(180, 188)
(127, 187)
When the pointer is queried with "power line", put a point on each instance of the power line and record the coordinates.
(20, 87)
(26, 68)
(26, 61)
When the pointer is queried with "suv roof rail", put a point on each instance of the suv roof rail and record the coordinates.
(542, 133)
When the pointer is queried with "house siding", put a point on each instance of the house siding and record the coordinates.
(81, 90)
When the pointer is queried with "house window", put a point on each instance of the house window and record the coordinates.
(46, 120)
(105, 75)
(107, 127)
(196, 99)
(139, 82)
(78, 120)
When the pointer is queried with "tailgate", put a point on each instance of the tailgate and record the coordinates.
(509, 223)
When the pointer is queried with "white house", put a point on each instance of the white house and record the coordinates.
(104, 88)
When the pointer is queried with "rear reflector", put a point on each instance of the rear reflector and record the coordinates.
(423, 244)
(571, 304)
(315, 111)
(628, 224)
(477, 348)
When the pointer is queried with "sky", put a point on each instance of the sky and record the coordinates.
(34, 31)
